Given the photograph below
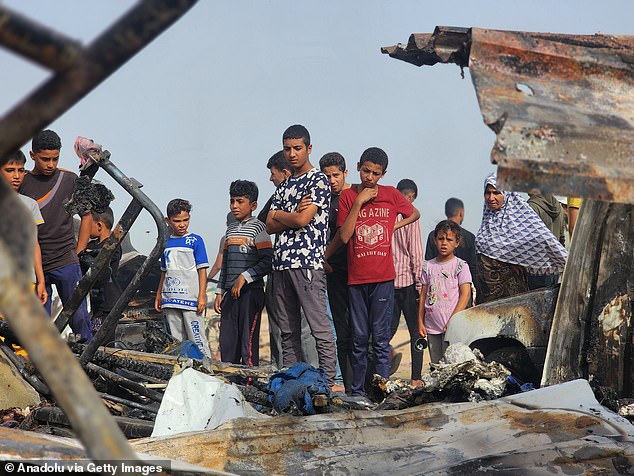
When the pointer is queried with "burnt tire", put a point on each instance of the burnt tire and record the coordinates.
(517, 360)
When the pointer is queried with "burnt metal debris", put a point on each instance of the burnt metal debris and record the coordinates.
(76, 71)
(562, 110)
(561, 105)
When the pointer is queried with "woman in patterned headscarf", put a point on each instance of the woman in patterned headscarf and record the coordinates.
(512, 240)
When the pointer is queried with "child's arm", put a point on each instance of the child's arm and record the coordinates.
(463, 300)
(272, 225)
(261, 268)
(42, 295)
(421, 311)
(347, 229)
(159, 292)
(334, 245)
(410, 219)
(84, 232)
(202, 291)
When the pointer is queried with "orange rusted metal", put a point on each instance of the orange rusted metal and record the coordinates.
(562, 106)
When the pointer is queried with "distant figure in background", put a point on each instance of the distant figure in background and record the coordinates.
(51, 187)
(551, 213)
(445, 291)
(574, 204)
(333, 165)
(182, 289)
(105, 292)
(512, 240)
(454, 211)
(247, 254)
(407, 248)
(13, 171)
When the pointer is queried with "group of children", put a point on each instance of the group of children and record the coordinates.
(332, 244)
(331, 263)
(45, 190)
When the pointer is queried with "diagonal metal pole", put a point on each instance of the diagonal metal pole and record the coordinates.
(72, 389)
(86, 69)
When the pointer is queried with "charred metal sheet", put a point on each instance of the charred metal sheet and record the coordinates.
(562, 106)
(516, 435)
(525, 317)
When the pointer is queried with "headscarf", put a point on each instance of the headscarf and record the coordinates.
(515, 234)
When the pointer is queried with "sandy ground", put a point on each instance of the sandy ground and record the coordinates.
(400, 342)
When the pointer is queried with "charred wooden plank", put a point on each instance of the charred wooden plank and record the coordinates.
(124, 382)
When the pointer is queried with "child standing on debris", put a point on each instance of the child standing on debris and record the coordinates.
(446, 288)
(246, 260)
(13, 171)
(367, 220)
(182, 289)
(105, 291)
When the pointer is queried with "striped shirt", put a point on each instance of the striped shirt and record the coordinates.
(407, 248)
(247, 251)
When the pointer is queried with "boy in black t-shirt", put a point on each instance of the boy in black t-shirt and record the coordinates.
(106, 291)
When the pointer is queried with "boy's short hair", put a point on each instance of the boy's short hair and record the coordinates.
(376, 156)
(106, 217)
(407, 184)
(244, 188)
(297, 131)
(174, 207)
(333, 159)
(278, 161)
(448, 225)
(453, 206)
(17, 157)
(46, 140)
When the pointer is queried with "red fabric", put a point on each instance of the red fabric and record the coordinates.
(369, 250)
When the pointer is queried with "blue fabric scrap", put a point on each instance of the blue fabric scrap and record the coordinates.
(294, 387)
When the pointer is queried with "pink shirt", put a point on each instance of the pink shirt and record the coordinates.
(443, 282)
(407, 248)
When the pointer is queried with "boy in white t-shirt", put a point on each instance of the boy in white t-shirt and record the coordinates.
(182, 290)
(446, 288)
(14, 171)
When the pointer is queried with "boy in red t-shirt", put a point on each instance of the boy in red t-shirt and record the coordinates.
(367, 220)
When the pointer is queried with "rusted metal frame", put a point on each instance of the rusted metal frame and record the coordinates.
(71, 387)
(38, 43)
(107, 53)
(560, 105)
(561, 109)
(110, 322)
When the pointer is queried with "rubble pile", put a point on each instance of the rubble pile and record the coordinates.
(462, 375)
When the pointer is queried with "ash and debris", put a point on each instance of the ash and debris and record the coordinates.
(89, 195)
(462, 375)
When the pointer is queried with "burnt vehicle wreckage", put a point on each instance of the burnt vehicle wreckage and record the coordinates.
(561, 107)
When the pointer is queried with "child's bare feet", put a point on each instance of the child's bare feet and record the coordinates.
(416, 383)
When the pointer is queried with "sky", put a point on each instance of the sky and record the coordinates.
(207, 102)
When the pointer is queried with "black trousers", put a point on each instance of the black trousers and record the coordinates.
(405, 302)
(337, 283)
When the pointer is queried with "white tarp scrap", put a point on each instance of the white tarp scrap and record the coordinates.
(195, 401)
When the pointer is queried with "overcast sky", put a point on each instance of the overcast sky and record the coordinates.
(207, 102)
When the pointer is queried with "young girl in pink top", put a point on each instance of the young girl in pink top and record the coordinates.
(446, 287)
